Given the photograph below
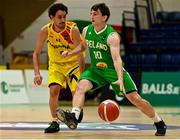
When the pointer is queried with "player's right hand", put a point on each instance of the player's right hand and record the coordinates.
(38, 79)
(64, 54)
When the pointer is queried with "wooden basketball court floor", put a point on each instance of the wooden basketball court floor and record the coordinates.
(29, 121)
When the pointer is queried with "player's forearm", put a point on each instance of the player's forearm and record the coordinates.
(81, 63)
(118, 68)
(36, 63)
(80, 48)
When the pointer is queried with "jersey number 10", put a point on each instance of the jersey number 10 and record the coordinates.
(97, 54)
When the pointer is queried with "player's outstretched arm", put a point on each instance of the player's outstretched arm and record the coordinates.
(41, 38)
(114, 42)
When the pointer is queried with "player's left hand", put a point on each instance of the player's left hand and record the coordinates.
(121, 85)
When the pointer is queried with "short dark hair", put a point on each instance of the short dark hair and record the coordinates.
(55, 7)
(103, 8)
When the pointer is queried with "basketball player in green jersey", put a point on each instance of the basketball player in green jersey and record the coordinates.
(103, 43)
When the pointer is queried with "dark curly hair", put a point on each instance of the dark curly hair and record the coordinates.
(55, 7)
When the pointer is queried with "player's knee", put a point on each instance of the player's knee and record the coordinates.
(83, 87)
(138, 101)
(80, 89)
(54, 95)
(54, 91)
(135, 99)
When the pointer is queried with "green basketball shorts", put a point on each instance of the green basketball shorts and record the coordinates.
(102, 77)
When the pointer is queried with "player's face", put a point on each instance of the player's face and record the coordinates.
(59, 19)
(96, 17)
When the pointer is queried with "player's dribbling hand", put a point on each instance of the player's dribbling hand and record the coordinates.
(38, 79)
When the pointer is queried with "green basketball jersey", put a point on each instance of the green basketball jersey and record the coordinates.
(102, 71)
(99, 50)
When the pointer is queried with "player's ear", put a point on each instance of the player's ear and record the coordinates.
(51, 17)
(105, 18)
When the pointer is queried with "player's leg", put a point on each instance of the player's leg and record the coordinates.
(56, 81)
(90, 79)
(143, 105)
(72, 80)
(80, 116)
(84, 85)
(148, 110)
(71, 119)
(53, 104)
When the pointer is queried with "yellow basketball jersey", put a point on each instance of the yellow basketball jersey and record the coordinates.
(59, 42)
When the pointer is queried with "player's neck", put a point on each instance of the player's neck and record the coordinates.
(100, 27)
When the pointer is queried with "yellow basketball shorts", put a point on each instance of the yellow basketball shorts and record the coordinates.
(64, 74)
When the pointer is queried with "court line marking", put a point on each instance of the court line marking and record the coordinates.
(85, 126)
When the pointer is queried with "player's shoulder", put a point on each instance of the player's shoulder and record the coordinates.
(72, 25)
(70, 22)
(84, 31)
(87, 27)
(113, 37)
(112, 32)
(44, 29)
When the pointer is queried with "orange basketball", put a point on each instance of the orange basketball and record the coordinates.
(108, 110)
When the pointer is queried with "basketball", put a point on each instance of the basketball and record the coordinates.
(108, 110)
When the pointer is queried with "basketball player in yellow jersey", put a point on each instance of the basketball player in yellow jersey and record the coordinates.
(61, 36)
